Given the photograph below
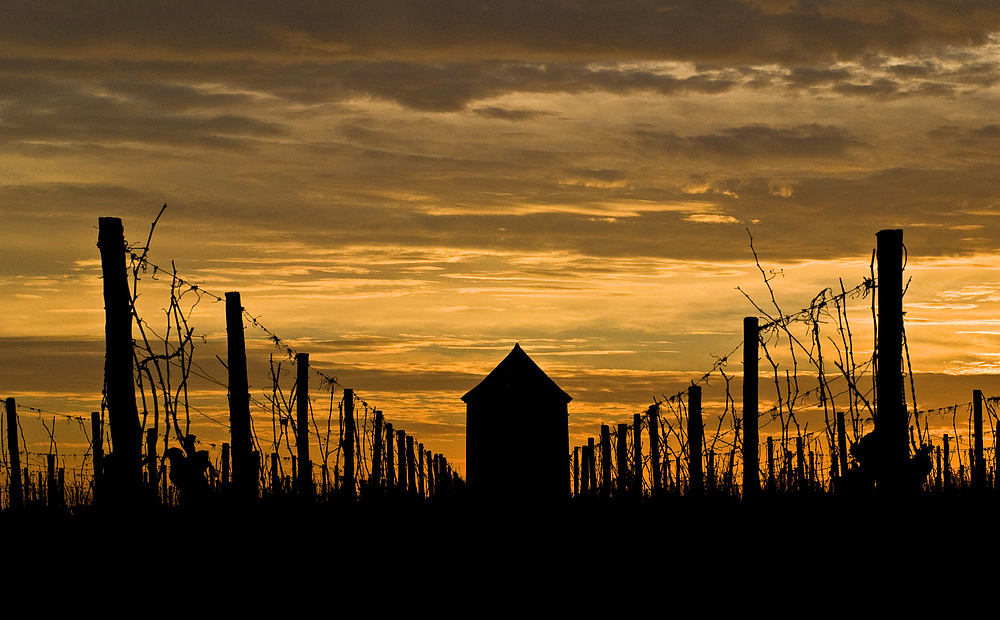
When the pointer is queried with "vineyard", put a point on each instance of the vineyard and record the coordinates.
(806, 415)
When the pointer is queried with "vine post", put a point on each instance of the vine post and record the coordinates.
(302, 427)
(891, 422)
(14, 478)
(241, 444)
(123, 415)
(695, 431)
(751, 466)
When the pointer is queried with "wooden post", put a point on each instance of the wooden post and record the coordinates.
(576, 471)
(244, 479)
(420, 470)
(123, 416)
(376, 476)
(605, 461)
(891, 420)
(696, 480)
(621, 482)
(652, 415)
(770, 464)
(411, 466)
(800, 464)
(637, 454)
(979, 459)
(304, 474)
(401, 459)
(390, 467)
(50, 481)
(256, 471)
(751, 464)
(947, 463)
(938, 478)
(14, 479)
(430, 473)
(592, 464)
(349, 481)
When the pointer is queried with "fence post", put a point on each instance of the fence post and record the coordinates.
(637, 454)
(430, 472)
(411, 466)
(390, 466)
(751, 438)
(50, 481)
(605, 461)
(592, 463)
(151, 463)
(239, 398)
(979, 461)
(304, 473)
(652, 415)
(842, 442)
(348, 447)
(695, 478)
(947, 462)
(14, 478)
(621, 482)
(123, 416)
(576, 471)
(401, 460)
(376, 477)
(275, 475)
(420, 471)
(893, 431)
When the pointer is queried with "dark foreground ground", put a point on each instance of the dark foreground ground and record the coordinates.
(703, 551)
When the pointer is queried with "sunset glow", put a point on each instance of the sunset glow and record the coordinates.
(405, 190)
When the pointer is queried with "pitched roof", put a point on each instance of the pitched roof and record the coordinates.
(517, 376)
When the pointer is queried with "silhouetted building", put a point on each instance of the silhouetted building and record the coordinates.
(517, 433)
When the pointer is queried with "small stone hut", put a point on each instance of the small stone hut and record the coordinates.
(517, 433)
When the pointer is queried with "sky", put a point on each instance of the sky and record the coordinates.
(406, 189)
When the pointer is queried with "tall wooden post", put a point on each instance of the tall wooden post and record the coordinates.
(695, 430)
(653, 415)
(770, 463)
(430, 473)
(411, 465)
(123, 416)
(244, 479)
(390, 467)
(348, 447)
(420, 470)
(751, 464)
(576, 471)
(800, 464)
(621, 486)
(14, 479)
(637, 454)
(592, 463)
(947, 463)
(605, 461)
(979, 459)
(376, 476)
(304, 473)
(401, 459)
(51, 497)
(891, 421)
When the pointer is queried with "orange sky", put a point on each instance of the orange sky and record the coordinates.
(406, 189)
